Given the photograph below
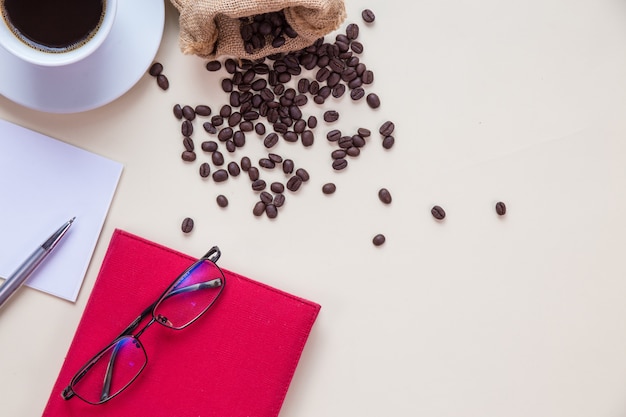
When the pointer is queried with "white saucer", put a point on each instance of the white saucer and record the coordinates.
(102, 77)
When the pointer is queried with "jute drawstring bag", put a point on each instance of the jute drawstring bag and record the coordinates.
(211, 28)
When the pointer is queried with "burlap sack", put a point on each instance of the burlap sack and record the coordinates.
(211, 28)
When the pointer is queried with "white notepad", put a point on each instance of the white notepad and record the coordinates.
(43, 183)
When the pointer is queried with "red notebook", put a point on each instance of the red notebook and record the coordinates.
(237, 360)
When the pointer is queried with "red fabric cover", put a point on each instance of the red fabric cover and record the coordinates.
(237, 360)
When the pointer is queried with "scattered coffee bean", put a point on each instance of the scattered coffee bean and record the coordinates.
(363, 132)
(373, 101)
(188, 156)
(253, 173)
(259, 208)
(303, 174)
(203, 110)
(277, 187)
(178, 111)
(258, 185)
(279, 200)
(218, 158)
(220, 175)
(388, 142)
(233, 169)
(500, 208)
(334, 135)
(329, 188)
(188, 112)
(205, 170)
(379, 239)
(155, 69)
(222, 201)
(188, 144)
(209, 146)
(386, 128)
(213, 65)
(288, 166)
(438, 212)
(357, 94)
(294, 183)
(163, 82)
(331, 116)
(352, 31)
(266, 197)
(271, 211)
(307, 138)
(245, 164)
(368, 15)
(384, 195)
(339, 164)
(187, 225)
(186, 128)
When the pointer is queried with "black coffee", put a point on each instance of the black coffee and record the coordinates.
(53, 25)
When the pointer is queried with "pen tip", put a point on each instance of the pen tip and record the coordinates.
(72, 219)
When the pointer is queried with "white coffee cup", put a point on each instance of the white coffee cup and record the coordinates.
(13, 41)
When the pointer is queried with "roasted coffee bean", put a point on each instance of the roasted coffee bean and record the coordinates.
(220, 175)
(277, 159)
(258, 185)
(188, 144)
(438, 212)
(373, 100)
(259, 84)
(266, 197)
(279, 200)
(225, 134)
(384, 195)
(339, 164)
(500, 208)
(303, 174)
(271, 211)
(368, 15)
(221, 200)
(334, 135)
(331, 116)
(352, 31)
(245, 164)
(338, 154)
(378, 240)
(246, 126)
(288, 166)
(280, 127)
(163, 82)
(325, 92)
(357, 47)
(234, 119)
(209, 146)
(307, 138)
(239, 139)
(267, 163)
(217, 120)
(303, 85)
(230, 65)
(388, 142)
(329, 188)
(270, 140)
(209, 128)
(294, 183)
(230, 146)
(178, 111)
(205, 170)
(186, 128)
(339, 90)
(253, 173)
(155, 69)
(357, 93)
(290, 136)
(312, 122)
(358, 141)
(233, 169)
(259, 208)
(299, 126)
(259, 128)
(226, 111)
(345, 142)
(217, 158)
(188, 112)
(363, 132)
(213, 65)
(277, 187)
(367, 77)
(386, 128)
(188, 156)
(187, 225)
(227, 85)
(353, 151)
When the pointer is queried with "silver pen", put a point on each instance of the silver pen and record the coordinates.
(17, 279)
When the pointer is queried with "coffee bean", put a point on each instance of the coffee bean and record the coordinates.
(386, 128)
(188, 144)
(186, 128)
(266, 197)
(202, 110)
(357, 47)
(438, 213)
(209, 128)
(188, 156)
(259, 208)
(312, 122)
(352, 31)
(338, 154)
(155, 69)
(259, 128)
(331, 116)
(220, 175)
(277, 187)
(294, 183)
(307, 138)
(290, 136)
(339, 164)
(271, 211)
(345, 142)
(329, 188)
(246, 126)
(373, 100)
(299, 126)
(270, 140)
(239, 139)
(209, 146)
(353, 151)
(225, 134)
(187, 225)
(277, 159)
(213, 65)
(368, 15)
(253, 173)
(334, 135)
(245, 164)
(339, 90)
(163, 82)
(221, 200)
(230, 146)
(205, 170)
(384, 195)
(303, 174)
(233, 169)
(500, 208)
(188, 112)
(279, 200)
(267, 163)
(217, 158)
(367, 77)
(227, 85)
(258, 185)
(357, 93)
(363, 132)
(358, 141)
(178, 111)
(388, 142)
(288, 166)
(379, 239)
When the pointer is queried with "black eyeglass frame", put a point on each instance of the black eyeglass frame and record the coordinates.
(212, 256)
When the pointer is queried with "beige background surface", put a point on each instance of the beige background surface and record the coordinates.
(475, 316)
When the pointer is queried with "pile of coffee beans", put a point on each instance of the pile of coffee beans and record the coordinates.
(267, 102)
(265, 29)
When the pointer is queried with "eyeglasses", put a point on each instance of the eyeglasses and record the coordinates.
(116, 366)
